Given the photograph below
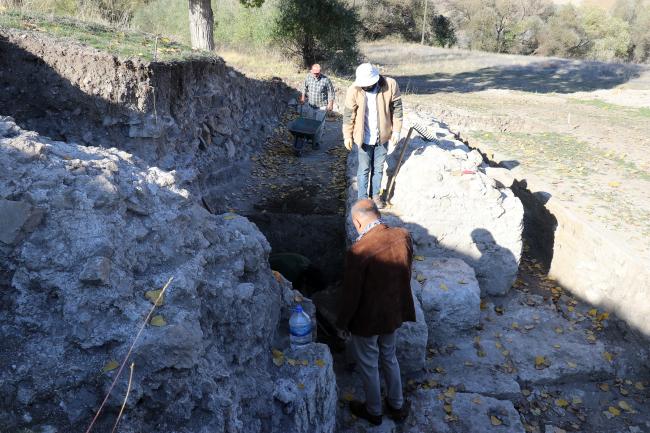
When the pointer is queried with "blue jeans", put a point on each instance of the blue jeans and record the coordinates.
(371, 167)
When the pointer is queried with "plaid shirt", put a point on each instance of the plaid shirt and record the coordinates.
(370, 226)
(320, 92)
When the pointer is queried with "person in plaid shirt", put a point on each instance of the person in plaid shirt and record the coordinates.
(320, 96)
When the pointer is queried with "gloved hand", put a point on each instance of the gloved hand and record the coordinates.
(394, 139)
(348, 143)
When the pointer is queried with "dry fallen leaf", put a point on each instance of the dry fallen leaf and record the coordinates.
(421, 278)
(608, 414)
(623, 405)
(561, 402)
(477, 339)
(494, 420)
(497, 345)
(576, 401)
(341, 404)
(593, 312)
(300, 385)
(604, 387)
(278, 361)
(447, 408)
(112, 365)
(291, 362)
(608, 356)
(505, 352)
(320, 363)
(435, 263)
(639, 386)
(418, 257)
(158, 321)
(615, 411)
(443, 287)
(469, 363)
(298, 299)
(440, 369)
(477, 401)
(559, 331)
(571, 364)
(348, 397)
(539, 360)
(462, 282)
(277, 353)
(229, 217)
(154, 295)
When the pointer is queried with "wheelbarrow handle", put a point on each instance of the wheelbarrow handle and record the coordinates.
(301, 105)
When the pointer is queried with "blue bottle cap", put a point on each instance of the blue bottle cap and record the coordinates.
(298, 309)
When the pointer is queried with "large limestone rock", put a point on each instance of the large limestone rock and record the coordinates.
(72, 298)
(17, 220)
(448, 214)
(427, 414)
(449, 295)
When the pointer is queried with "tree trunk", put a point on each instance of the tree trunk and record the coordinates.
(201, 24)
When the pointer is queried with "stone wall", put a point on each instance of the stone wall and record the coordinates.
(85, 233)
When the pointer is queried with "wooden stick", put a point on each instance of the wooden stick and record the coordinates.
(399, 163)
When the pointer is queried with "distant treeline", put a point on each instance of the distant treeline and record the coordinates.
(529, 27)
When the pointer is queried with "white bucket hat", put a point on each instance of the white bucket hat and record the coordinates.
(366, 75)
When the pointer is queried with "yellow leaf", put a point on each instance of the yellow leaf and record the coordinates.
(615, 411)
(477, 401)
(608, 356)
(441, 398)
(435, 263)
(66, 157)
(497, 335)
(623, 405)
(628, 382)
(292, 362)
(421, 278)
(613, 184)
(476, 339)
(341, 404)
(112, 365)
(229, 217)
(514, 325)
(576, 401)
(551, 278)
(497, 345)
(481, 353)
(505, 352)
(443, 287)
(158, 321)
(557, 346)
(278, 361)
(254, 159)
(320, 363)
(440, 369)
(300, 385)
(593, 312)
(277, 353)
(469, 363)
(462, 281)
(639, 386)
(165, 40)
(153, 296)
(535, 317)
(447, 408)
(604, 387)
(603, 316)
(559, 331)
(561, 402)
(539, 360)
(303, 362)
(494, 420)
(353, 416)
(418, 257)
(348, 397)
(298, 299)
(571, 364)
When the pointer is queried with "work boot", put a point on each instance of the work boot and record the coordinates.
(359, 409)
(378, 201)
(397, 415)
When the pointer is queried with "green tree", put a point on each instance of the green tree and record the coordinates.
(610, 36)
(318, 30)
(442, 30)
(563, 34)
(638, 17)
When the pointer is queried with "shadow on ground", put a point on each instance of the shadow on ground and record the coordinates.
(548, 76)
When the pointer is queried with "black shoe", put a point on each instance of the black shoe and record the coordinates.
(359, 409)
(397, 415)
(317, 146)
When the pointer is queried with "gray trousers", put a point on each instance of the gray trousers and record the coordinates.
(371, 351)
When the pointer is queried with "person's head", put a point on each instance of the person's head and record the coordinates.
(314, 278)
(315, 70)
(366, 77)
(363, 213)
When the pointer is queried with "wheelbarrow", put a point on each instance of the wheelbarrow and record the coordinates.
(304, 129)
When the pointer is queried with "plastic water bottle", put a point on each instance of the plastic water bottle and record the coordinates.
(300, 329)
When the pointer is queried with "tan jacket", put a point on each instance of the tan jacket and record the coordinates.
(376, 296)
(389, 106)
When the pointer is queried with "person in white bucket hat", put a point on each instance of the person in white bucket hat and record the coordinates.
(372, 118)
